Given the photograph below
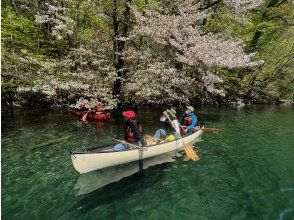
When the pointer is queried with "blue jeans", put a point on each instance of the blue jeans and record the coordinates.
(120, 146)
(160, 133)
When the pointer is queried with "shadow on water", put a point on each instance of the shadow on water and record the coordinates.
(116, 183)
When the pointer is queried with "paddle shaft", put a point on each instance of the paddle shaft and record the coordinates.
(189, 150)
(213, 130)
(84, 117)
(172, 124)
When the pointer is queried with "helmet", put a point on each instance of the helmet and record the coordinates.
(190, 109)
(129, 114)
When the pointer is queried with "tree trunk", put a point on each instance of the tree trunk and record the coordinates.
(255, 39)
(117, 84)
(119, 46)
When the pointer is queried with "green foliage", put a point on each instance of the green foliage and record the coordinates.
(267, 31)
(19, 33)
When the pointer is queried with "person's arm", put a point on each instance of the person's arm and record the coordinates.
(193, 124)
(176, 125)
(138, 133)
(182, 119)
(125, 130)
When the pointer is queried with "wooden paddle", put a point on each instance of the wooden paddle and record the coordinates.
(188, 149)
(85, 116)
(211, 130)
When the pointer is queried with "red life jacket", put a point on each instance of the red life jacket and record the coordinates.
(130, 134)
(187, 121)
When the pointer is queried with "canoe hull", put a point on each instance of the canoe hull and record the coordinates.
(86, 162)
(104, 116)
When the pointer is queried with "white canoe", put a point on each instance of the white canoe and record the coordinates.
(90, 159)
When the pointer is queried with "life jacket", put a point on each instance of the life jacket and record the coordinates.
(187, 121)
(130, 136)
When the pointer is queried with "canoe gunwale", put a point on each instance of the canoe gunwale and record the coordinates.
(86, 161)
(92, 150)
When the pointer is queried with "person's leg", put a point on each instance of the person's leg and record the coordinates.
(119, 147)
(160, 133)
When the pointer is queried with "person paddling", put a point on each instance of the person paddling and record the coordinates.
(132, 132)
(162, 133)
(97, 109)
(188, 122)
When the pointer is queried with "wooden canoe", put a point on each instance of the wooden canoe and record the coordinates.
(89, 159)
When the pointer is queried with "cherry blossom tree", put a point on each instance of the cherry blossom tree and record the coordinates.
(177, 47)
(82, 73)
(54, 18)
(138, 52)
(242, 6)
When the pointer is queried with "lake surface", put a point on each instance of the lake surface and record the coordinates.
(246, 172)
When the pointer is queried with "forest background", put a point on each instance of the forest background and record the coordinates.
(137, 52)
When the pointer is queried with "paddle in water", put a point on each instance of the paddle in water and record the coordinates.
(188, 149)
(211, 130)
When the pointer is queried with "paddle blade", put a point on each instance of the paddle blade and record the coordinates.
(211, 130)
(190, 152)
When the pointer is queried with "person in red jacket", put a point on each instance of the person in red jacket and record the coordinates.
(132, 132)
(188, 122)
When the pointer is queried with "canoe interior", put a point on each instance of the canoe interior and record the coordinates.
(108, 148)
(98, 149)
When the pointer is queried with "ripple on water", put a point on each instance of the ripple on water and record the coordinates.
(245, 172)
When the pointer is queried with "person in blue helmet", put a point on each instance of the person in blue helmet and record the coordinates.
(188, 122)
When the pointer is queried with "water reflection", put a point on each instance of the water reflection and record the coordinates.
(93, 123)
(92, 181)
(80, 124)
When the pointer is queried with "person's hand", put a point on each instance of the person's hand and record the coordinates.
(145, 148)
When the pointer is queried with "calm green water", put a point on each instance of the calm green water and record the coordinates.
(246, 172)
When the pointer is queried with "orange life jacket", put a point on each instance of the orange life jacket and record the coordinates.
(187, 121)
(130, 134)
